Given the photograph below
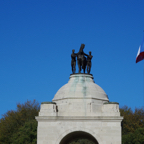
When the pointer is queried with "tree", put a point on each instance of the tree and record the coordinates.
(132, 125)
(13, 122)
(132, 120)
(26, 134)
(134, 138)
(81, 141)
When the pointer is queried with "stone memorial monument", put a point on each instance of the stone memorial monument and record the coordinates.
(79, 109)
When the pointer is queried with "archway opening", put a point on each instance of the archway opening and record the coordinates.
(78, 136)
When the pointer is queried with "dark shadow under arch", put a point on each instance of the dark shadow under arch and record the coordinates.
(77, 135)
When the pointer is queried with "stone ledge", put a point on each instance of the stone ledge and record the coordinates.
(81, 74)
(48, 103)
(111, 103)
(104, 99)
(85, 118)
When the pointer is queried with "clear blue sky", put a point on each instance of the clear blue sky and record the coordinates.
(37, 38)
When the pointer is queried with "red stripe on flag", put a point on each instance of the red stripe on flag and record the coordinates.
(140, 57)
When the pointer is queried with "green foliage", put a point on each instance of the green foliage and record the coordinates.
(82, 141)
(26, 134)
(13, 122)
(132, 126)
(134, 138)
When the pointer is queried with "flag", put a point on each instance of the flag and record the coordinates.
(140, 54)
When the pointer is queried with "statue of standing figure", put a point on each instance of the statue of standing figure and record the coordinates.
(81, 60)
(89, 63)
(73, 61)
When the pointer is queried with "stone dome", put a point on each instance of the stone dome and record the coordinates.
(80, 86)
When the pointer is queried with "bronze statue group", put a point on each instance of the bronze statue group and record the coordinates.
(82, 61)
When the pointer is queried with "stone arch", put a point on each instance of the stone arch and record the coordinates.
(77, 135)
(81, 132)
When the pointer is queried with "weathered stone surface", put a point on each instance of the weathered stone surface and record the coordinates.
(81, 86)
(79, 106)
(106, 130)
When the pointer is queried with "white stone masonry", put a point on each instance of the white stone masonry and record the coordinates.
(79, 106)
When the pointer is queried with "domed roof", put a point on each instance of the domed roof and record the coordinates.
(80, 86)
